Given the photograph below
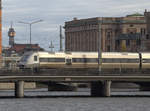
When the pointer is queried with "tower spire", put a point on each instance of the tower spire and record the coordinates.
(11, 34)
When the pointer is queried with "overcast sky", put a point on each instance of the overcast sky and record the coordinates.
(56, 12)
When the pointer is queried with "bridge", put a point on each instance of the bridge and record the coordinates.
(100, 82)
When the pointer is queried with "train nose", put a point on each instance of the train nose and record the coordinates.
(20, 65)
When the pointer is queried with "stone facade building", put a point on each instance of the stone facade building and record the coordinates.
(117, 34)
(146, 42)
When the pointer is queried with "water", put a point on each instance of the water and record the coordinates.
(41, 100)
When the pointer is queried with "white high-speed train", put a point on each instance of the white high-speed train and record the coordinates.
(110, 60)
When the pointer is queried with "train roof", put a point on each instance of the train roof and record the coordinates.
(89, 54)
(123, 53)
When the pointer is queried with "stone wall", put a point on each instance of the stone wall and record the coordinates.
(27, 85)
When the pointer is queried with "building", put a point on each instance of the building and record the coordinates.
(146, 42)
(20, 49)
(117, 34)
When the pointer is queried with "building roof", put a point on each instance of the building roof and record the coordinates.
(21, 47)
(130, 19)
(135, 15)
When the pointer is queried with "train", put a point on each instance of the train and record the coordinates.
(86, 60)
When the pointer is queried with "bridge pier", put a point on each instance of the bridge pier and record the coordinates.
(107, 89)
(19, 89)
(101, 89)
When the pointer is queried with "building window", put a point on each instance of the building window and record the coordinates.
(147, 36)
(143, 31)
(127, 42)
(108, 48)
(117, 42)
(131, 25)
(131, 30)
(131, 33)
(108, 35)
(138, 42)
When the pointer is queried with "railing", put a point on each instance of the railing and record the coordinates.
(72, 72)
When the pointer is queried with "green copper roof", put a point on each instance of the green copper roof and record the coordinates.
(84, 23)
(135, 14)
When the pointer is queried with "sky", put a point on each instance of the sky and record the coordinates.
(55, 13)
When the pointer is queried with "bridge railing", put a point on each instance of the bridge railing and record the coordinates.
(71, 72)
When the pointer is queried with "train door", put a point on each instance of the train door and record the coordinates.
(68, 60)
(35, 60)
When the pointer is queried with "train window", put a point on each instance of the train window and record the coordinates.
(146, 61)
(76, 60)
(52, 59)
(25, 58)
(119, 60)
(92, 60)
(43, 59)
(35, 58)
(56, 59)
(85, 60)
(79, 60)
(123, 60)
(108, 60)
(133, 60)
(116, 60)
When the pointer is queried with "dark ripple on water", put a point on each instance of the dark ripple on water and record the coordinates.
(41, 100)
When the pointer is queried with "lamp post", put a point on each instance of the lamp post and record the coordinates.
(0, 27)
(61, 39)
(30, 24)
(51, 46)
(99, 46)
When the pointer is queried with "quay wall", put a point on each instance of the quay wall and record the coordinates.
(7, 86)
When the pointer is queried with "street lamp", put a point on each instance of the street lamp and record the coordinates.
(51, 46)
(61, 39)
(30, 24)
(99, 46)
